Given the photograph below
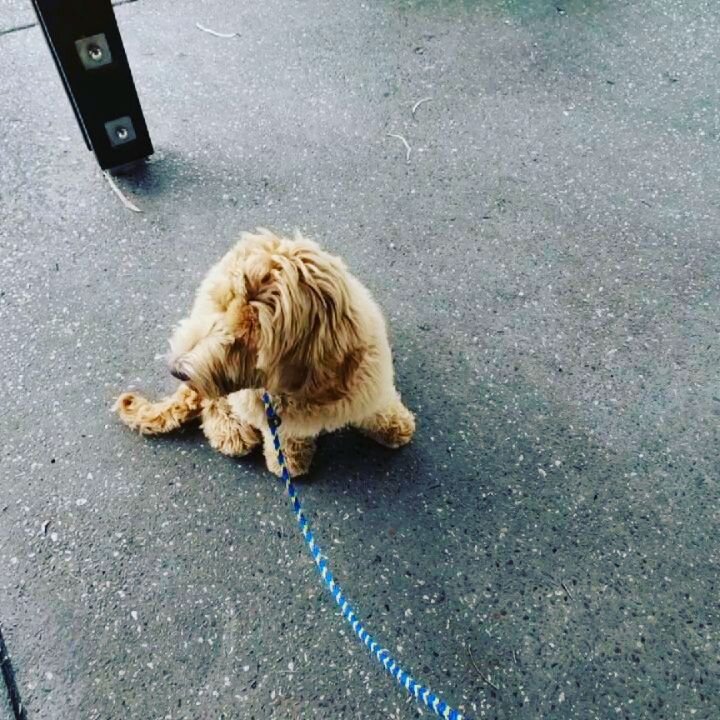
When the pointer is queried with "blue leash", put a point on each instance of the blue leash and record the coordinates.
(414, 688)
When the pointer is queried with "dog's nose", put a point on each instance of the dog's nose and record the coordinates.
(179, 374)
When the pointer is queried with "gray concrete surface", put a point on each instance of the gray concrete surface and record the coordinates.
(548, 261)
(5, 709)
(18, 15)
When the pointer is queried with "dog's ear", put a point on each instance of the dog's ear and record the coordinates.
(292, 375)
(244, 324)
(306, 333)
(257, 274)
(335, 380)
(325, 360)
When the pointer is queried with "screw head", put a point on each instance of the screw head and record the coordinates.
(121, 133)
(95, 52)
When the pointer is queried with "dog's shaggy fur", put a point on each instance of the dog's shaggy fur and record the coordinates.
(284, 316)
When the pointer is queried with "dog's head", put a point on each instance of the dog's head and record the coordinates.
(273, 313)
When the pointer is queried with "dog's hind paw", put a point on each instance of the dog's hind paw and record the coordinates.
(393, 426)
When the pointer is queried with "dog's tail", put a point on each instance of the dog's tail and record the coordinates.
(160, 417)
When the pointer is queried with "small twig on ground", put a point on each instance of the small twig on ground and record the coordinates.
(418, 104)
(482, 675)
(557, 582)
(215, 32)
(515, 657)
(408, 149)
(44, 527)
(129, 205)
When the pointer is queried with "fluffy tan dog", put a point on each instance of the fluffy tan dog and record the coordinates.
(285, 316)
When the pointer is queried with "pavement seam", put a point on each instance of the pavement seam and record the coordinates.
(8, 673)
(18, 28)
(27, 26)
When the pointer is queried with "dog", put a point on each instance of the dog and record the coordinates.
(283, 316)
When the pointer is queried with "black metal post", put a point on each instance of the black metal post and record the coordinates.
(88, 50)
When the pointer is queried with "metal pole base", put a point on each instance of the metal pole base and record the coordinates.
(88, 50)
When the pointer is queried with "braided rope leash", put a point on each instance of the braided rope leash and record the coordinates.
(414, 688)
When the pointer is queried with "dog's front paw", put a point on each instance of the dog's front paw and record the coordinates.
(127, 407)
(298, 455)
(234, 444)
(227, 434)
(151, 418)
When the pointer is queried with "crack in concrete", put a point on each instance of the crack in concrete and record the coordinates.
(8, 673)
(18, 28)
(27, 26)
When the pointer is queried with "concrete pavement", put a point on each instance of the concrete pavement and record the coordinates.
(548, 262)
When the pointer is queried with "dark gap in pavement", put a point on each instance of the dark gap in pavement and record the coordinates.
(8, 673)
(27, 26)
(18, 28)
